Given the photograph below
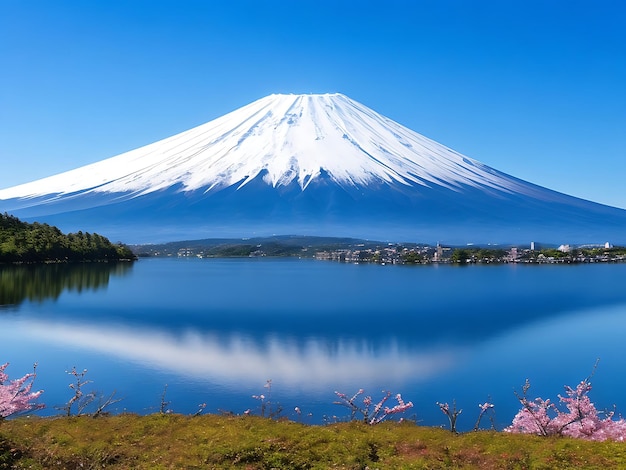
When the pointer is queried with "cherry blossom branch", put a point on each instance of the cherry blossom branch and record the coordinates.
(17, 396)
(378, 413)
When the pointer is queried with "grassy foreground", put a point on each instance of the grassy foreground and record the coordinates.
(213, 441)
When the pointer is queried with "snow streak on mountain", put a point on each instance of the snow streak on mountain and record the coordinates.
(294, 163)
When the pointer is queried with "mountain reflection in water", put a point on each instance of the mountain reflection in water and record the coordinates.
(318, 362)
(215, 330)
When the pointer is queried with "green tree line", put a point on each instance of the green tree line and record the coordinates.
(35, 242)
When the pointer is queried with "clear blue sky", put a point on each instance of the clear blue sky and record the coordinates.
(536, 89)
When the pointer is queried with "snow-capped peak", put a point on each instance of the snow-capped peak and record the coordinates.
(287, 139)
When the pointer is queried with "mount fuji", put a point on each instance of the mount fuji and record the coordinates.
(309, 165)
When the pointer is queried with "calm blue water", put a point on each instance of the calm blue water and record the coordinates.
(214, 331)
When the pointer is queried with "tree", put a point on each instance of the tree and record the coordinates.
(579, 419)
(16, 396)
(36, 242)
(460, 255)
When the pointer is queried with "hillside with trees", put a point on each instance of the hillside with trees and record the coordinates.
(23, 242)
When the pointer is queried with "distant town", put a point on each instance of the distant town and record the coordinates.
(397, 254)
(361, 251)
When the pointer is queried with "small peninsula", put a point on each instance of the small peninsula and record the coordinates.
(23, 242)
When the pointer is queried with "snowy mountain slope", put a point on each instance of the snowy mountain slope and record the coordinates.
(292, 138)
(304, 163)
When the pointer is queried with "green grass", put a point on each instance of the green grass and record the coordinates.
(246, 442)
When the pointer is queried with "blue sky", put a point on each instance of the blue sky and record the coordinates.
(536, 89)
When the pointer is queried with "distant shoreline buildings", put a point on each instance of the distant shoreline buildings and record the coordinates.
(387, 253)
(471, 255)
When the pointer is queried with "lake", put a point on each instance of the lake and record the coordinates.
(215, 331)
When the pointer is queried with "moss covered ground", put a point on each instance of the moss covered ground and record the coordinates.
(213, 441)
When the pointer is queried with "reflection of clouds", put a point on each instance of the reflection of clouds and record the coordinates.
(311, 363)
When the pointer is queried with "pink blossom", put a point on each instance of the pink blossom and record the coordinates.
(376, 415)
(17, 396)
(579, 419)
(485, 406)
(398, 408)
(359, 392)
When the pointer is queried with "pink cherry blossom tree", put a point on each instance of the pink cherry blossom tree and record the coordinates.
(451, 412)
(16, 396)
(578, 417)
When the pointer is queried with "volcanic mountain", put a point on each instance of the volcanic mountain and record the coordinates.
(310, 165)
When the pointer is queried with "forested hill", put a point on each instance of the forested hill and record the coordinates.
(32, 243)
